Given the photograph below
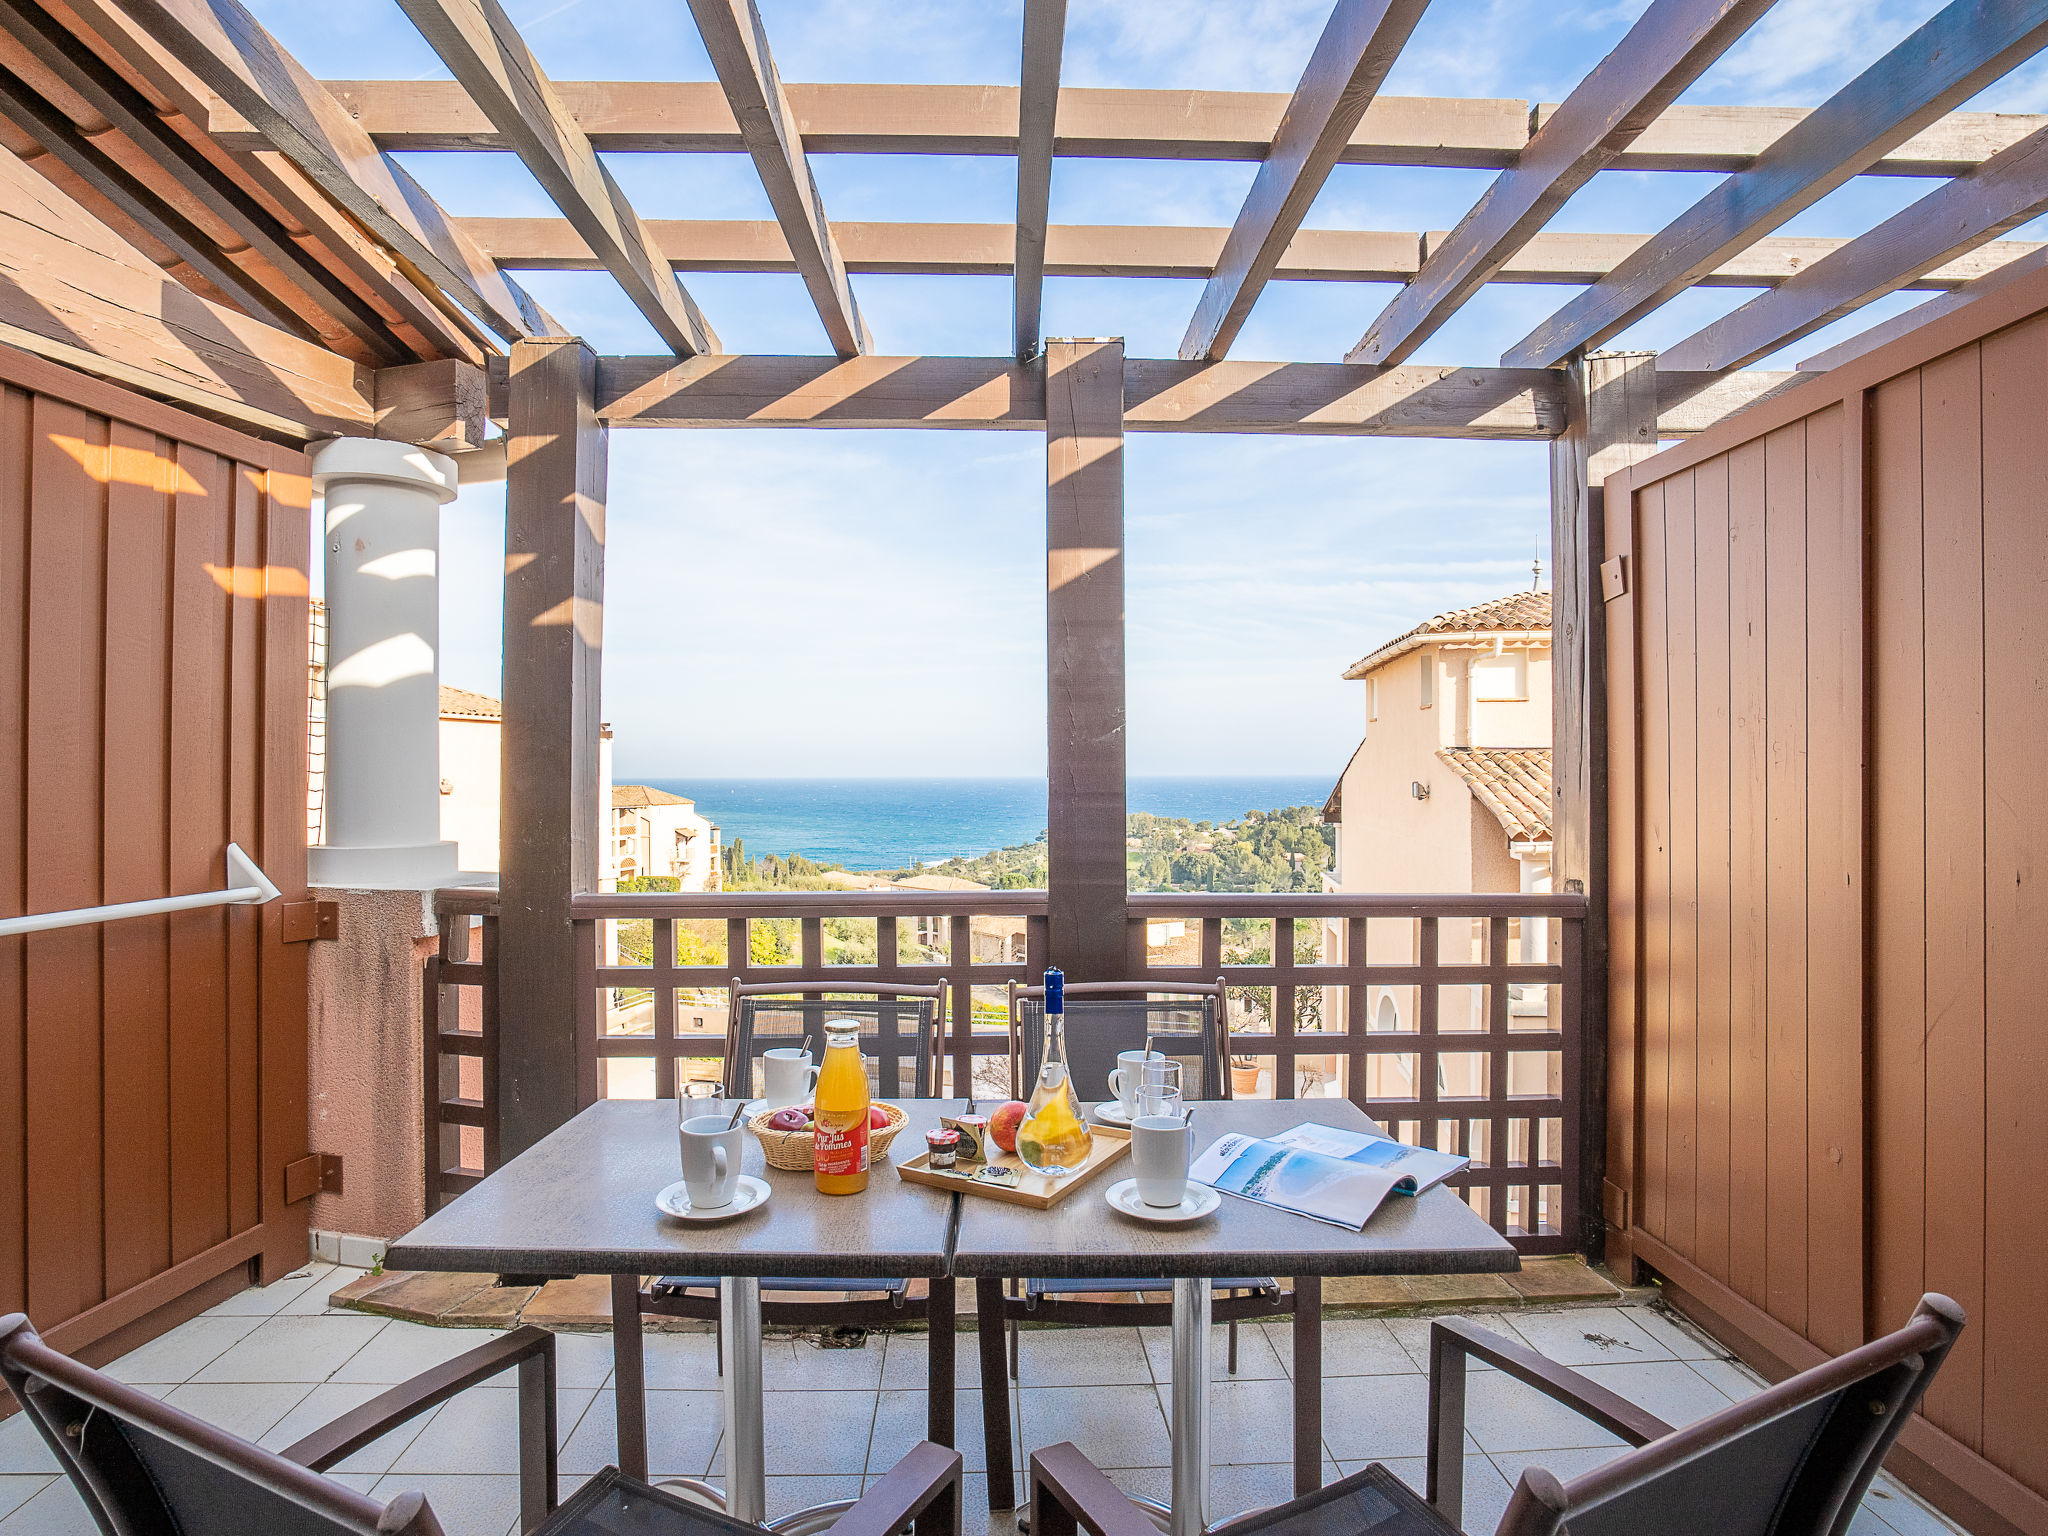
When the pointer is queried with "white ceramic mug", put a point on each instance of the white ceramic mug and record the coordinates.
(711, 1161)
(787, 1076)
(1161, 1148)
(1123, 1082)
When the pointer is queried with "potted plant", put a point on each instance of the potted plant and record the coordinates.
(1244, 1076)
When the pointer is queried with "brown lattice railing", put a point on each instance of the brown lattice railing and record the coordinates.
(1451, 1020)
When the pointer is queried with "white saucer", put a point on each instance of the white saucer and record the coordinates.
(1198, 1202)
(1111, 1112)
(750, 1195)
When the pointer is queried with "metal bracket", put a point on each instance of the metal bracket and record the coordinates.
(318, 1173)
(305, 921)
(1614, 578)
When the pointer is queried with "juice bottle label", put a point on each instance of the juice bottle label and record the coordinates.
(841, 1149)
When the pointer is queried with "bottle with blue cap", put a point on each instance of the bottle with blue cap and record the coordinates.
(1054, 1138)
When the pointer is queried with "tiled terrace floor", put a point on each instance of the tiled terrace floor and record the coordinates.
(276, 1363)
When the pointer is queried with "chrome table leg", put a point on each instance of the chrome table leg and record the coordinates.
(1190, 1428)
(746, 1471)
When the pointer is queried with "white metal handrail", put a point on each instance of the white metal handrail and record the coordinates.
(247, 885)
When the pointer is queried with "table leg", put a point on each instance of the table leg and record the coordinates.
(990, 1334)
(746, 1469)
(941, 1371)
(1190, 1407)
(1308, 1384)
(629, 1374)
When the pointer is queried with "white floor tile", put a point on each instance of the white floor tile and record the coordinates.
(244, 1408)
(803, 1365)
(1486, 1490)
(1734, 1379)
(908, 1360)
(1503, 1415)
(1671, 1389)
(1677, 1334)
(814, 1433)
(1256, 1358)
(680, 1361)
(1082, 1357)
(585, 1360)
(183, 1352)
(1118, 1426)
(682, 1433)
(466, 1505)
(1370, 1418)
(55, 1511)
(901, 1418)
(322, 1406)
(308, 1349)
(22, 1449)
(267, 1300)
(18, 1489)
(403, 1350)
(1249, 1421)
(313, 1299)
(478, 1431)
(1588, 1336)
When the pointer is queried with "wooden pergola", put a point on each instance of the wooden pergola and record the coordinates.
(189, 213)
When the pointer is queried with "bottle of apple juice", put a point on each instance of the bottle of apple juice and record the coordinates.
(840, 1146)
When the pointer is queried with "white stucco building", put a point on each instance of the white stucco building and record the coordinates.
(657, 833)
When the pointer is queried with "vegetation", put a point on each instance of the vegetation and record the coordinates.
(1279, 850)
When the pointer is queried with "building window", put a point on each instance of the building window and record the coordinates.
(1372, 697)
(1429, 679)
(1502, 678)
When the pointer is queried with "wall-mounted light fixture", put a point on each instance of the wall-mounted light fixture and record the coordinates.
(1419, 790)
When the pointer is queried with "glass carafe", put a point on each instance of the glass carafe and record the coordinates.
(1054, 1139)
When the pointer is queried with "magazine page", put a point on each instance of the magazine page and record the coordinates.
(1421, 1168)
(1331, 1189)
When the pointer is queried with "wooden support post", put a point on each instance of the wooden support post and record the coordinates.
(1084, 656)
(554, 631)
(1610, 422)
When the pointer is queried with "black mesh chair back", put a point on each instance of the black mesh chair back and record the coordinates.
(145, 1468)
(1184, 1027)
(899, 1037)
(1795, 1460)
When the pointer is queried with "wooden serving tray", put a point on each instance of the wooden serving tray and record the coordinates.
(1033, 1189)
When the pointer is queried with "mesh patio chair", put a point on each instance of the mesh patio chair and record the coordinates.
(145, 1468)
(900, 1041)
(1184, 1023)
(1794, 1460)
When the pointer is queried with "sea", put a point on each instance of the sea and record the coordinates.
(890, 823)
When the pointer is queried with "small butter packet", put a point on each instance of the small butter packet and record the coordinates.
(973, 1131)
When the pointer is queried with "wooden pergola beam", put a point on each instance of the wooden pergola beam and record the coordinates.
(1358, 46)
(485, 53)
(1663, 53)
(1912, 319)
(1955, 217)
(1045, 30)
(73, 291)
(863, 119)
(1963, 48)
(223, 45)
(738, 46)
(1157, 250)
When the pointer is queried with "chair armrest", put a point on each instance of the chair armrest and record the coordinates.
(386, 1411)
(930, 1472)
(1451, 1340)
(1068, 1491)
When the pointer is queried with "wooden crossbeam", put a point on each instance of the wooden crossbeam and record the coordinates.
(738, 46)
(74, 292)
(1963, 48)
(862, 119)
(1157, 250)
(223, 45)
(301, 294)
(1911, 320)
(1663, 53)
(420, 316)
(1359, 44)
(1955, 217)
(1045, 29)
(484, 51)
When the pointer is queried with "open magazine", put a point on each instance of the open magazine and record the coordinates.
(1317, 1170)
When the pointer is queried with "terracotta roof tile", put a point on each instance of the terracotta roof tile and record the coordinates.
(461, 704)
(1511, 782)
(640, 796)
(1519, 613)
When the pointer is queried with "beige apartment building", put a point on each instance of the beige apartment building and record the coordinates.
(1449, 790)
(657, 833)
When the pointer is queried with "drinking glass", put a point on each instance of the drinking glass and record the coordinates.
(1159, 1093)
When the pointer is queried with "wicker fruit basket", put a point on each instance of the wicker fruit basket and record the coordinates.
(792, 1150)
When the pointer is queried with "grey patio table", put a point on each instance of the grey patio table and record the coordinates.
(1081, 1237)
(581, 1202)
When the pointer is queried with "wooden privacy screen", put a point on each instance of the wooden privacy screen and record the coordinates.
(152, 709)
(1829, 1039)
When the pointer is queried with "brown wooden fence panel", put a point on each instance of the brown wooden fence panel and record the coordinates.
(152, 709)
(1835, 643)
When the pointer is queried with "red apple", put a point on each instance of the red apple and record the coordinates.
(789, 1120)
(1002, 1125)
(878, 1118)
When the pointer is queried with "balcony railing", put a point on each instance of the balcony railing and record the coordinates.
(1452, 1020)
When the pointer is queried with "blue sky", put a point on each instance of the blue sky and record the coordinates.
(871, 603)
